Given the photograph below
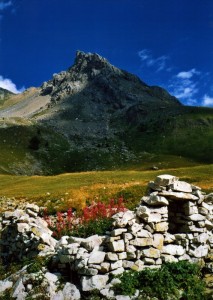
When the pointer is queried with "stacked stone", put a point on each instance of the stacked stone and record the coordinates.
(189, 218)
(24, 234)
(173, 223)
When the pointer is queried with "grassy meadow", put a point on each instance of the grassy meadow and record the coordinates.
(75, 190)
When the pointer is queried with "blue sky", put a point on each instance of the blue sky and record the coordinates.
(168, 43)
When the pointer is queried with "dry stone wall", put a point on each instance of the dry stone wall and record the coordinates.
(173, 223)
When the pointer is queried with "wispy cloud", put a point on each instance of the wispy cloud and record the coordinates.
(159, 63)
(207, 101)
(187, 74)
(5, 4)
(7, 84)
(184, 86)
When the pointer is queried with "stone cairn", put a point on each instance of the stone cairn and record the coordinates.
(173, 223)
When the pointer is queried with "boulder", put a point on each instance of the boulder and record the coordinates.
(155, 200)
(165, 180)
(173, 250)
(5, 285)
(91, 242)
(151, 252)
(178, 196)
(142, 242)
(117, 246)
(95, 282)
(70, 292)
(181, 186)
(96, 257)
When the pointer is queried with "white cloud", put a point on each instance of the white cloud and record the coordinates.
(147, 58)
(4, 5)
(207, 101)
(184, 86)
(7, 84)
(188, 74)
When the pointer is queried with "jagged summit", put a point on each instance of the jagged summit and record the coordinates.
(87, 68)
(91, 71)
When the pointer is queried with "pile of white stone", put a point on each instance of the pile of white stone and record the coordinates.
(173, 223)
(24, 234)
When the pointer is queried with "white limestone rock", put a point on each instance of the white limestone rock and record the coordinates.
(142, 242)
(178, 196)
(135, 228)
(105, 266)
(144, 233)
(127, 264)
(168, 258)
(127, 236)
(117, 246)
(173, 250)
(169, 238)
(96, 257)
(158, 241)
(165, 180)
(5, 285)
(190, 208)
(117, 271)
(200, 251)
(149, 261)
(107, 293)
(112, 256)
(23, 227)
(181, 186)
(70, 292)
(196, 217)
(161, 227)
(116, 265)
(155, 187)
(131, 251)
(155, 200)
(122, 255)
(94, 282)
(91, 242)
(138, 265)
(143, 212)
(121, 219)
(122, 297)
(208, 224)
(151, 253)
(19, 290)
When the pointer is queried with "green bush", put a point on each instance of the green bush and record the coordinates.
(99, 227)
(180, 280)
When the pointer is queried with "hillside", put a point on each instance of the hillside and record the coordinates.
(95, 116)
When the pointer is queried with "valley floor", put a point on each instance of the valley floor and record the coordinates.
(76, 189)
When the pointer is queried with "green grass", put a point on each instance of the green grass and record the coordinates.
(75, 189)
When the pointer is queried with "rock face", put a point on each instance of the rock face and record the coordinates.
(163, 228)
(93, 94)
(94, 109)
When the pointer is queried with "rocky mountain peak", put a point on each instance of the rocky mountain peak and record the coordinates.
(87, 69)
(90, 61)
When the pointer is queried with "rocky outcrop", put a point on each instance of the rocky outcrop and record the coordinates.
(172, 223)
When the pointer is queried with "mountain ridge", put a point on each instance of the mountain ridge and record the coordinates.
(95, 111)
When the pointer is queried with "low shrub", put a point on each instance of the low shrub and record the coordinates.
(94, 219)
(180, 280)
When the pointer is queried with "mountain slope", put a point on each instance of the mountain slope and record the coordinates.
(96, 116)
